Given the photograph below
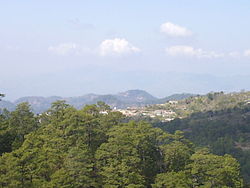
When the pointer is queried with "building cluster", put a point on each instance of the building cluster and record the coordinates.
(163, 115)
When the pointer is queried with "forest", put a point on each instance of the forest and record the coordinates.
(223, 132)
(97, 147)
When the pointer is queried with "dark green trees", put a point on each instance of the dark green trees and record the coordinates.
(131, 157)
(22, 122)
(93, 147)
(1, 95)
(15, 125)
(214, 171)
(203, 170)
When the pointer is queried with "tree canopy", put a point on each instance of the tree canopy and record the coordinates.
(95, 147)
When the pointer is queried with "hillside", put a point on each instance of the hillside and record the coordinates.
(176, 97)
(210, 102)
(218, 121)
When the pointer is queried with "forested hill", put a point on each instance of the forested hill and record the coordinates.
(213, 101)
(131, 98)
(93, 147)
(218, 121)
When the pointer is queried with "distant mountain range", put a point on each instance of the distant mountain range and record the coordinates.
(130, 98)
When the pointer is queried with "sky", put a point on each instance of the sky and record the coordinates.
(71, 48)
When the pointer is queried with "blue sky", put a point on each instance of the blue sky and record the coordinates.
(70, 48)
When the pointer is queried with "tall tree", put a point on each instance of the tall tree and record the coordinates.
(177, 153)
(204, 170)
(131, 157)
(215, 171)
(77, 170)
(22, 121)
(7, 136)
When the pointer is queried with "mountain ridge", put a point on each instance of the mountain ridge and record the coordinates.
(129, 98)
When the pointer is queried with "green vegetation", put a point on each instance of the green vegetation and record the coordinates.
(217, 121)
(210, 102)
(95, 147)
(1, 95)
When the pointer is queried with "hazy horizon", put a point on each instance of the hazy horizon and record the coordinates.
(71, 48)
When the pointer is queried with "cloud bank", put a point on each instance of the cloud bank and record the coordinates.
(68, 49)
(190, 51)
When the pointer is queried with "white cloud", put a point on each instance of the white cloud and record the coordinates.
(247, 53)
(117, 47)
(189, 51)
(175, 30)
(68, 49)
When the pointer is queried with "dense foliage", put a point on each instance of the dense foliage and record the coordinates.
(94, 147)
(218, 121)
